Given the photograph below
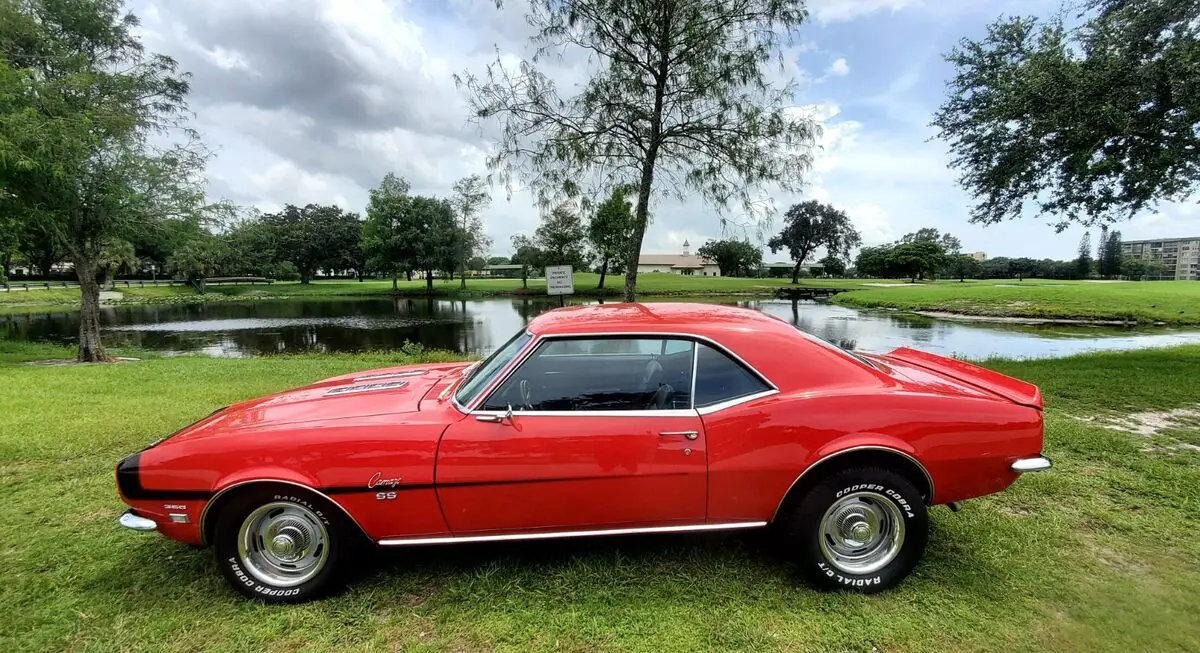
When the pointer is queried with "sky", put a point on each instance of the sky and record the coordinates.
(313, 101)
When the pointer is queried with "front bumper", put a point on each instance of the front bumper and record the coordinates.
(1030, 464)
(136, 523)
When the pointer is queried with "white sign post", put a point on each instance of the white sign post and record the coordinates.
(560, 282)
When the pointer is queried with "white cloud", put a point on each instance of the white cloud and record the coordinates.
(829, 11)
(839, 68)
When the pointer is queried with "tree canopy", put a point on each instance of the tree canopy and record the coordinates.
(470, 197)
(94, 142)
(734, 258)
(562, 239)
(678, 101)
(1088, 124)
(810, 225)
(609, 230)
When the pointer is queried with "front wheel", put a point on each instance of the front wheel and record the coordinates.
(862, 529)
(280, 546)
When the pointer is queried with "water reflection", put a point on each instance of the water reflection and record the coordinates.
(478, 326)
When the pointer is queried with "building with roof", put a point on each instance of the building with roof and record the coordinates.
(1175, 258)
(684, 263)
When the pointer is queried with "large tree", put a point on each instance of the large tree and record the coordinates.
(917, 258)
(1083, 264)
(678, 101)
(734, 258)
(527, 255)
(832, 265)
(94, 143)
(812, 224)
(609, 229)
(949, 243)
(470, 197)
(429, 224)
(562, 238)
(1091, 123)
(315, 237)
(1110, 259)
(385, 250)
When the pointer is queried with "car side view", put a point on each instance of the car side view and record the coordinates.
(596, 420)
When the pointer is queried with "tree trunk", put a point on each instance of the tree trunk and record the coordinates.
(640, 219)
(46, 262)
(462, 275)
(394, 279)
(796, 273)
(305, 277)
(408, 273)
(524, 278)
(603, 271)
(91, 350)
(6, 263)
(429, 281)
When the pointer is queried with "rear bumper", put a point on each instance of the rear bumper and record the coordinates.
(136, 523)
(1037, 464)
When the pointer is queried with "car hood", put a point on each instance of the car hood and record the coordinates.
(385, 391)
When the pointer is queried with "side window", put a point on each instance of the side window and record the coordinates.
(590, 374)
(720, 378)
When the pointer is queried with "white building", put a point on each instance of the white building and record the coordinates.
(1178, 258)
(684, 264)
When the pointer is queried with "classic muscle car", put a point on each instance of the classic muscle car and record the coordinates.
(596, 420)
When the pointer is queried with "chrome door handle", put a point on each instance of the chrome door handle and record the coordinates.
(691, 435)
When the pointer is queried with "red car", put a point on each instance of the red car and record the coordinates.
(596, 420)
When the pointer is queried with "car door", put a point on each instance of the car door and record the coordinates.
(602, 434)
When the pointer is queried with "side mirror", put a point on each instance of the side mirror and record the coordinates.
(497, 419)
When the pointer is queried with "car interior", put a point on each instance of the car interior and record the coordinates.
(600, 374)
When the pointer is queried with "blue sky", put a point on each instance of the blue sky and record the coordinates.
(315, 100)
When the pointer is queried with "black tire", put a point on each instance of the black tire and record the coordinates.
(883, 496)
(297, 514)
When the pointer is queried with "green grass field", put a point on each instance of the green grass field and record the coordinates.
(1172, 302)
(1176, 303)
(1097, 555)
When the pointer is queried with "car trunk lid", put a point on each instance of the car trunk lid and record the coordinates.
(944, 375)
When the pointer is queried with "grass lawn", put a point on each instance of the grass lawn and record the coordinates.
(1098, 554)
(1173, 302)
(585, 285)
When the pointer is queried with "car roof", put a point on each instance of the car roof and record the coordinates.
(789, 358)
(660, 317)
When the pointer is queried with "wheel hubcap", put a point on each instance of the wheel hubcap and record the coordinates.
(283, 544)
(862, 532)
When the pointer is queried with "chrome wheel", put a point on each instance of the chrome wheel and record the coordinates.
(862, 532)
(283, 544)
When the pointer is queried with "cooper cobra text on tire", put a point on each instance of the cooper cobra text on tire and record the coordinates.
(862, 529)
(281, 544)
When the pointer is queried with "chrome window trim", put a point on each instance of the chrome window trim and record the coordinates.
(665, 412)
(213, 499)
(463, 539)
(504, 372)
(695, 360)
(865, 447)
(695, 338)
(730, 403)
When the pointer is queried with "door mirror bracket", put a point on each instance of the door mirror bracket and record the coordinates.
(497, 419)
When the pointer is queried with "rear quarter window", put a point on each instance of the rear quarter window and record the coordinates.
(720, 378)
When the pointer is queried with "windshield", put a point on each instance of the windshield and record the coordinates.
(488, 369)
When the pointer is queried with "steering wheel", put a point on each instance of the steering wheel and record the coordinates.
(526, 395)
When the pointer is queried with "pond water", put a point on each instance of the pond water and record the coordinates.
(477, 326)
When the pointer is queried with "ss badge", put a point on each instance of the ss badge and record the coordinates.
(384, 496)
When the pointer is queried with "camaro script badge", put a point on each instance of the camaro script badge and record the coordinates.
(377, 480)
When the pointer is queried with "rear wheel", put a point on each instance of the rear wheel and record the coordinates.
(281, 545)
(862, 529)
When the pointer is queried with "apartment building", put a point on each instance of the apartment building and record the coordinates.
(1179, 257)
